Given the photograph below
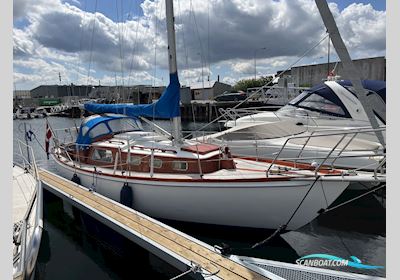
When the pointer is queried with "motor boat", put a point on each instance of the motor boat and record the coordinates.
(289, 140)
(40, 112)
(23, 113)
(27, 219)
(329, 105)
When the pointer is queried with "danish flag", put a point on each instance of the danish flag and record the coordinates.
(48, 136)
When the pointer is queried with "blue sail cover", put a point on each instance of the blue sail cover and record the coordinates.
(165, 108)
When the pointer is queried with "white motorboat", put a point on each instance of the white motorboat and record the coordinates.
(294, 142)
(330, 105)
(27, 219)
(23, 114)
(40, 112)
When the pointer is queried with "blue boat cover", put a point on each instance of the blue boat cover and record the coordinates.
(166, 107)
(97, 126)
(373, 85)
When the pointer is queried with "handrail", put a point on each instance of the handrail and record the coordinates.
(30, 163)
(31, 167)
(312, 135)
(381, 164)
(330, 152)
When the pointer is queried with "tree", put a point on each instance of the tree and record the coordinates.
(250, 83)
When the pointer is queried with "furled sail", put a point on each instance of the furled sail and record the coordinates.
(164, 108)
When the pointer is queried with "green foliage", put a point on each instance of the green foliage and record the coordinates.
(250, 83)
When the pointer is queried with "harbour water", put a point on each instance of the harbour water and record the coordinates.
(71, 249)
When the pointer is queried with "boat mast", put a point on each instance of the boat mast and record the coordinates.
(169, 7)
(348, 66)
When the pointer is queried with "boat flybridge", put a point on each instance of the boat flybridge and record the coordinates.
(169, 177)
(329, 105)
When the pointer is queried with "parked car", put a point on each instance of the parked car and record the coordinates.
(231, 96)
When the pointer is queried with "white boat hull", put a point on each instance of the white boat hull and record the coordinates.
(267, 204)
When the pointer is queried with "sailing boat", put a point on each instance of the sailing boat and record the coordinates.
(166, 176)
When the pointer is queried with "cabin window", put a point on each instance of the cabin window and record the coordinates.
(135, 160)
(157, 163)
(320, 103)
(126, 124)
(102, 155)
(180, 165)
(98, 130)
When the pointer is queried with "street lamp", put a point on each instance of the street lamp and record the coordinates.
(255, 61)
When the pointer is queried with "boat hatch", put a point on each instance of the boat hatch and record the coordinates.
(97, 126)
(200, 148)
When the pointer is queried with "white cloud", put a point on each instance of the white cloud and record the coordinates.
(243, 67)
(229, 80)
(64, 33)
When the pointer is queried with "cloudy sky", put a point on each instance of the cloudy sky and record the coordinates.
(124, 41)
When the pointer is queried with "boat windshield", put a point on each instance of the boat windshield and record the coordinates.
(127, 124)
(97, 126)
(321, 99)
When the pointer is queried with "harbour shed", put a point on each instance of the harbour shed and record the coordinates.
(208, 90)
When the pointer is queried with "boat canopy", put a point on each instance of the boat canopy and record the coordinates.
(97, 126)
(321, 98)
(373, 86)
(168, 106)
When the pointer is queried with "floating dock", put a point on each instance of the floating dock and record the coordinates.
(180, 250)
(159, 239)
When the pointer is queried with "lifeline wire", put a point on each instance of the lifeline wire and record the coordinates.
(256, 92)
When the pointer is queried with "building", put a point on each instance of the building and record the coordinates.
(186, 95)
(208, 90)
(308, 75)
(21, 94)
(23, 98)
(58, 91)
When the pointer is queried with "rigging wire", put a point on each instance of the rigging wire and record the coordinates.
(91, 47)
(184, 40)
(134, 49)
(200, 43)
(81, 43)
(152, 90)
(121, 43)
(257, 91)
(208, 39)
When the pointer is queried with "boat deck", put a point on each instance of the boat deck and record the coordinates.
(178, 248)
(162, 235)
(23, 188)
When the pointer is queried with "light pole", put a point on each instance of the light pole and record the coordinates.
(255, 61)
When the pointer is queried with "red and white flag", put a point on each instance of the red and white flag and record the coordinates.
(47, 139)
